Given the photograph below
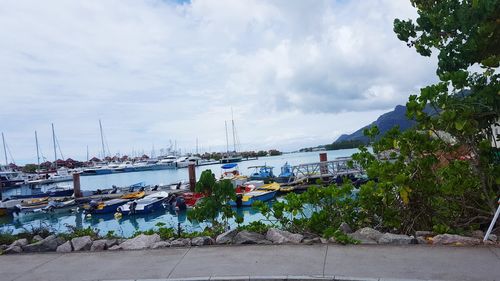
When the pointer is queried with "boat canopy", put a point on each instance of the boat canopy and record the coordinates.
(229, 166)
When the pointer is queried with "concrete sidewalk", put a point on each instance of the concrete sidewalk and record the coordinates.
(371, 261)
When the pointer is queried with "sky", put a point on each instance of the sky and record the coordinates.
(294, 73)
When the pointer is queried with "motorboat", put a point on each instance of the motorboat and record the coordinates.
(248, 198)
(57, 191)
(229, 171)
(264, 173)
(286, 174)
(145, 205)
(104, 207)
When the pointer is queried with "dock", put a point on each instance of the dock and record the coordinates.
(327, 171)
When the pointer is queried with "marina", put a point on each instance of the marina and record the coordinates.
(171, 181)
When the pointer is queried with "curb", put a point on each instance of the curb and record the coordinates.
(277, 278)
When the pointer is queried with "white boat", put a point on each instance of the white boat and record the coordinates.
(185, 161)
(145, 205)
(168, 162)
(61, 175)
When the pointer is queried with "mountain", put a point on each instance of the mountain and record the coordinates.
(384, 123)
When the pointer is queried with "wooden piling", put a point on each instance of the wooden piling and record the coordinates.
(192, 176)
(323, 158)
(76, 185)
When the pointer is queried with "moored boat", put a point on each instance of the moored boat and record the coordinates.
(104, 207)
(133, 195)
(264, 173)
(145, 205)
(286, 174)
(57, 191)
(248, 198)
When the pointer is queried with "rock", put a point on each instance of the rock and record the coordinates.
(452, 239)
(226, 237)
(99, 245)
(201, 241)
(247, 237)
(492, 237)
(422, 240)
(140, 242)
(65, 248)
(424, 233)
(280, 236)
(332, 240)
(14, 249)
(81, 243)
(479, 234)
(37, 238)
(161, 244)
(362, 238)
(400, 239)
(369, 233)
(111, 242)
(181, 242)
(50, 243)
(114, 248)
(345, 228)
(20, 242)
(3, 247)
(310, 241)
(323, 240)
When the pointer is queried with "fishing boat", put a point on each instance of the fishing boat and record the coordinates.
(248, 198)
(104, 207)
(145, 205)
(191, 198)
(43, 207)
(57, 191)
(286, 174)
(264, 173)
(229, 171)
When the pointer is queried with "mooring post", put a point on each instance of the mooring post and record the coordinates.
(76, 185)
(323, 158)
(192, 176)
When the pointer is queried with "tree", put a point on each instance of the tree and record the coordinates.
(216, 200)
(445, 175)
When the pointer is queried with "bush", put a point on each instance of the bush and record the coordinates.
(255, 226)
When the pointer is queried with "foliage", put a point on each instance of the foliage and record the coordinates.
(444, 176)
(216, 200)
(344, 144)
(339, 236)
(315, 211)
(255, 226)
(30, 168)
(6, 237)
(74, 232)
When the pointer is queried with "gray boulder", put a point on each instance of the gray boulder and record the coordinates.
(37, 238)
(111, 242)
(278, 236)
(3, 247)
(140, 242)
(493, 237)
(161, 244)
(65, 248)
(400, 239)
(202, 241)
(362, 238)
(422, 240)
(181, 242)
(14, 249)
(369, 233)
(345, 228)
(226, 237)
(20, 242)
(247, 237)
(50, 243)
(99, 245)
(310, 241)
(115, 248)
(81, 243)
(452, 239)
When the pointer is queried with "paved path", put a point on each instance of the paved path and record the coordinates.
(370, 261)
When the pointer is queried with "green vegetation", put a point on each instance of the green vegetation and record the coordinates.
(216, 201)
(344, 145)
(255, 226)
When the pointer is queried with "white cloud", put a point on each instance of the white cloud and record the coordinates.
(296, 73)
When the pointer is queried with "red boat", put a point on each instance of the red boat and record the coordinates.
(192, 197)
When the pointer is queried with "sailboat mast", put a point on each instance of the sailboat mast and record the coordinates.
(54, 141)
(227, 138)
(87, 153)
(5, 151)
(234, 138)
(102, 140)
(196, 145)
(37, 151)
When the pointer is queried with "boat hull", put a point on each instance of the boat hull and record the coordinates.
(265, 196)
(147, 209)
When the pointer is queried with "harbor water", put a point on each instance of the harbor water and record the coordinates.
(126, 226)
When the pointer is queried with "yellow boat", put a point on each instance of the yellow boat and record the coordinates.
(276, 186)
(134, 195)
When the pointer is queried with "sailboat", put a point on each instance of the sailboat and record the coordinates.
(9, 178)
(231, 156)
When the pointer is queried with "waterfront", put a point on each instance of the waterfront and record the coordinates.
(128, 225)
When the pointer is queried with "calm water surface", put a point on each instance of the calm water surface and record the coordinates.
(126, 226)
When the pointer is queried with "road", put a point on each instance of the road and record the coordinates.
(419, 262)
